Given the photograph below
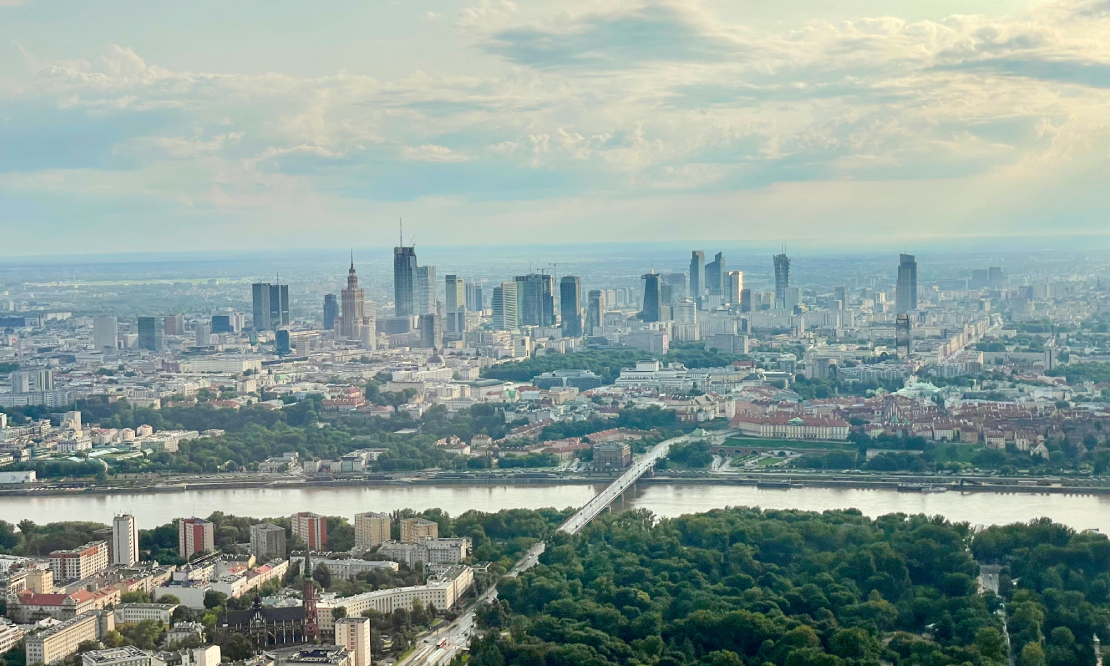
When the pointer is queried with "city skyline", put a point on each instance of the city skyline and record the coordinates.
(849, 119)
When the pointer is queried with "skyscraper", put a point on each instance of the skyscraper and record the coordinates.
(547, 300)
(174, 324)
(270, 304)
(697, 276)
(735, 285)
(125, 540)
(425, 290)
(455, 303)
(905, 296)
(404, 281)
(595, 309)
(150, 333)
(431, 331)
(505, 307)
(529, 294)
(841, 294)
(570, 305)
(653, 298)
(474, 297)
(782, 279)
(354, 305)
(715, 273)
(331, 311)
(745, 300)
(105, 333)
(677, 284)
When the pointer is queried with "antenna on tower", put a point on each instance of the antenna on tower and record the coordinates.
(401, 226)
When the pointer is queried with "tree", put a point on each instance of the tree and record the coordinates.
(214, 599)
(322, 576)
(27, 529)
(168, 599)
(1032, 655)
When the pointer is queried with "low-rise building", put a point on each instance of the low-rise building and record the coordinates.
(10, 635)
(127, 655)
(442, 591)
(61, 640)
(136, 613)
(612, 455)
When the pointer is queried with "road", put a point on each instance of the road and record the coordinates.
(441, 646)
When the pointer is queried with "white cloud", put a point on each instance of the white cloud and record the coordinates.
(432, 153)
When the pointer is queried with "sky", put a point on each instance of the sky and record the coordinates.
(138, 126)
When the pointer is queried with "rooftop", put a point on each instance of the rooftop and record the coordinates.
(113, 654)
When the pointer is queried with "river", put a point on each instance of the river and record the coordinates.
(152, 509)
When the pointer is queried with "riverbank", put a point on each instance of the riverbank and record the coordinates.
(769, 480)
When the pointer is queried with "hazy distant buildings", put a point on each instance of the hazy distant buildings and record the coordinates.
(782, 280)
(455, 304)
(905, 296)
(673, 287)
(653, 299)
(425, 300)
(697, 276)
(270, 304)
(431, 332)
(745, 300)
(404, 281)
(595, 310)
(903, 335)
(331, 311)
(570, 305)
(715, 273)
(174, 324)
(474, 298)
(150, 331)
(105, 333)
(232, 323)
(734, 284)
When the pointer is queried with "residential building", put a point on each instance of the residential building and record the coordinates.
(905, 296)
(62, 640)
(344, 568)
(412, 529)
(194, 535)
(353, 635)
(80, 563)
(125, 540)
(428, 550)
(311, 528)
(267, 541)
(371, 529)
(442, 590)
(10, 635)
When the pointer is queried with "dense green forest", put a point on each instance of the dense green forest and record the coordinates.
(788, 588)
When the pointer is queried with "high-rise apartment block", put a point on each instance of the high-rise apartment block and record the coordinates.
(570, 306)
(151, 333)
(371, 529)
(782, 280)
(267, 541)
(353, 634)
(194, 535)
(311, 528)
(412, 529)
(125, 540)
(81, 562)
(105, 333)
(905, 296)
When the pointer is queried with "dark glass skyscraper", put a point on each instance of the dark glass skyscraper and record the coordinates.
(404, 281)
(570, 305)
(150, 333)
(653, 298)
(782, 280)
(595, 308)
(697, 275)
(331, 311)
(270, 305)
(715, 273)
(905, 295)
(535, 299)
